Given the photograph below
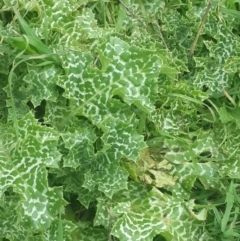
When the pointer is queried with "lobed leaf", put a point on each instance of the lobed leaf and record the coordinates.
(25, 171)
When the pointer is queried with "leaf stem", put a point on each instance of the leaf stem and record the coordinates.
(200, 29)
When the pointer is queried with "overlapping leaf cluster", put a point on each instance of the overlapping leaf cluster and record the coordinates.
(116, 132)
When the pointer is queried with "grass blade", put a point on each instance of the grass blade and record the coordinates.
(227, 213)
(230, 12)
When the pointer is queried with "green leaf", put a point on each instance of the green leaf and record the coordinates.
(158, 213)
(6, 57)
(130, 75)
(214, 77)
(108, 177)
(86, 232)
(59, 115)
(123, 139)
(19, 98)
(24, 169)
(42, 83)
(80, 144)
